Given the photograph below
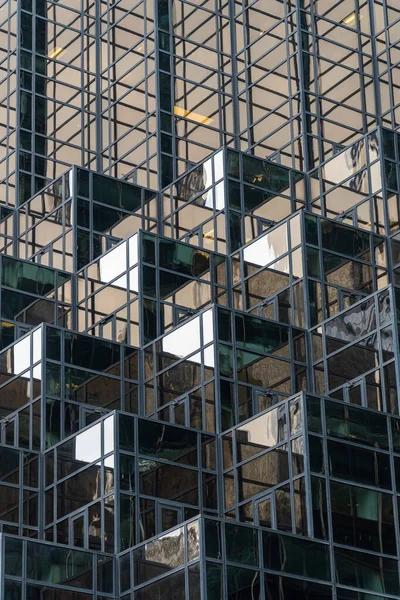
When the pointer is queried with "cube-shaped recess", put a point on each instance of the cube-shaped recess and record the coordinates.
(145, 286)
(125, 479)
(308, 268)
(221, 367)
(229, 199)
(54, 382)
(36, 570)
(79, 216)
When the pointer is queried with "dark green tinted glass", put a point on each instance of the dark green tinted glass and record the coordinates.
(127, 520)
(265, 174)
(285, 588)
(167, 442)
(126, 433)
(234, 194)
(116, 193)
(344, 240)
(243, 584)
(213, 538)
(184, 259)
(357, 425)
(254, 198)
(241, 544)
(363, 518)
(313, 263)
(259, 335)
(214, 581)
(53, 379)
(395, 425)
(319, 510)
(314, 422)
(235, 230)
(83, 251)
(127, 473)
(53, 343)
(172, 587)
(388, 140)
(316, 453)
(350, 595)
(105, 217)
(367, 571)
(91, 353)
(27, 277)
(12, 590)
(311, 228)
(149, 249)
(83, 183)
(13, 557)
(233, 164)
(47, 563)
(359, 465)
(296, 556)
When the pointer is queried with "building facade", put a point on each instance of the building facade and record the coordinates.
(199, 300)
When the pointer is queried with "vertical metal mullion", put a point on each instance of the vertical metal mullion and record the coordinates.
(202, 559)
(326, 480)
(305, 118)
(375, 67)
(307, 465)
(235, 91)
(99, 129)
(393, 477)
(289, 81)
(396, 348)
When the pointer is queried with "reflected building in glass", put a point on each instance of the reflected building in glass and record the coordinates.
(199, 300)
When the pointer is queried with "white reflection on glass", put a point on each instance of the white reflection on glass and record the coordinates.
(112, 264)
(133, 249)
(268, 247)
(37, 345)
(88, 444)
(219, 174)
(37, 372)
(220, 196)
(184, 340)
(209, 356)
(219, 165)
(207, 179)
(346, 163)
(108, 424)
(21, 355)
(71, 180)
(134, 279)
(208, 326)
(267, 430)
(281, 265)
(109, 462)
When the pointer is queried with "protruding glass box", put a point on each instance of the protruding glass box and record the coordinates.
(79, 216)
(308, 268)
(230, 199)
(125, 479)
(146, 285)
